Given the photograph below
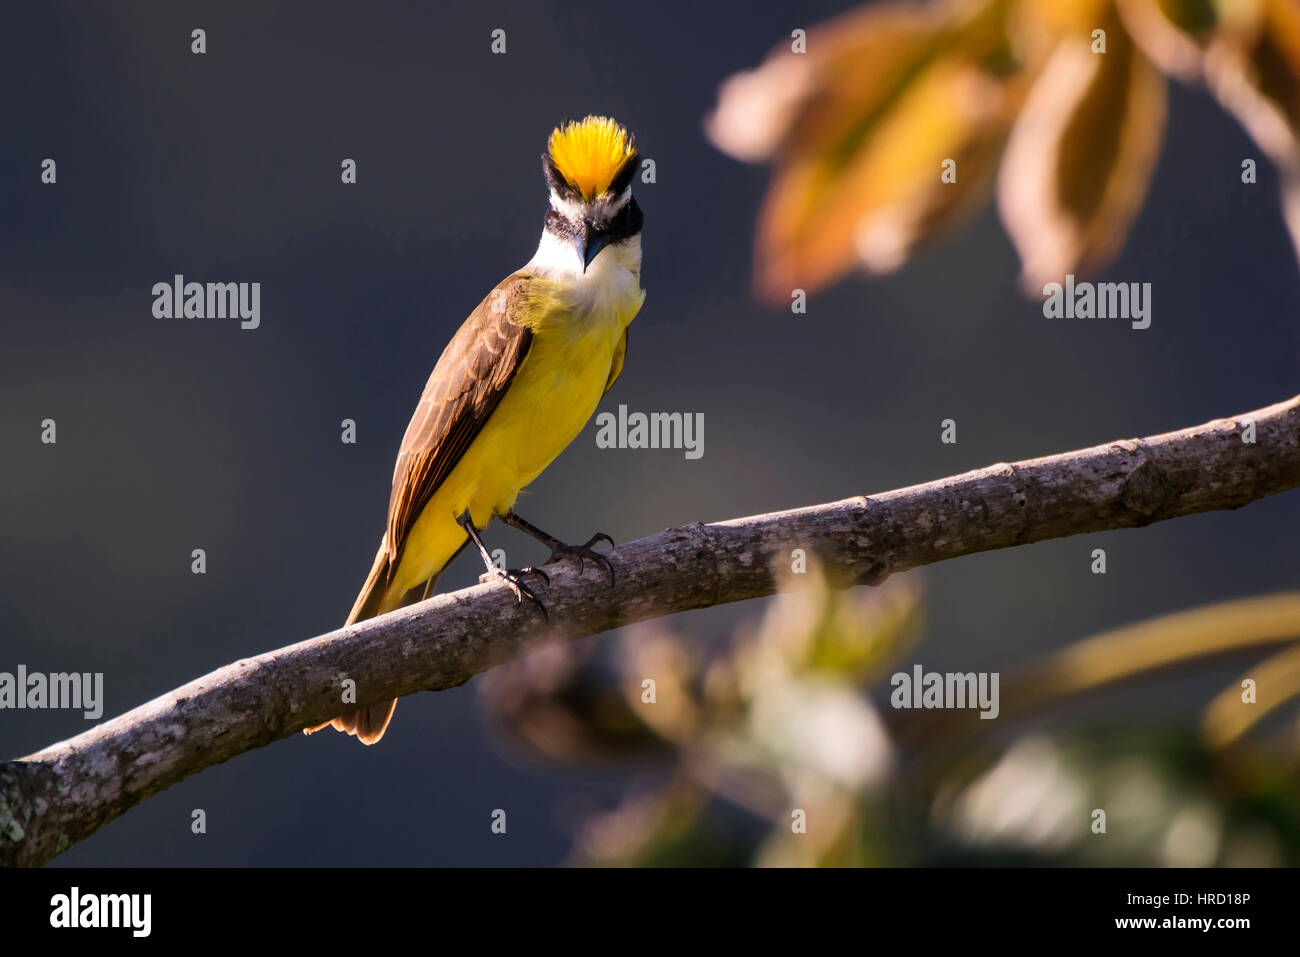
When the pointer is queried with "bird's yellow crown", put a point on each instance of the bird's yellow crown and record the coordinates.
(589, 153)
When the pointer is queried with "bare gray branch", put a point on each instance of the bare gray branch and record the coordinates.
(51, 799)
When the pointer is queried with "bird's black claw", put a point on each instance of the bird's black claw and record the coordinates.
(597, 537)
(530, 570)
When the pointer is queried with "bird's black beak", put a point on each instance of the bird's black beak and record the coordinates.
(589, 243)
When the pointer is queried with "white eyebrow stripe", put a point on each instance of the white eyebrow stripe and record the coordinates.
(567, 207)
(575, 211)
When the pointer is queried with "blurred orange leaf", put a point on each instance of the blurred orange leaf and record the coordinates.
(1081, 155)
(885, 132)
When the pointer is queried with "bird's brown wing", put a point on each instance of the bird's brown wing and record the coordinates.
(468, 382)
(616, 367)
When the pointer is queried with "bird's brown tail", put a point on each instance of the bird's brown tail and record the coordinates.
(369, 723)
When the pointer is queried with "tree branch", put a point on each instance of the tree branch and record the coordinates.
(51, 799)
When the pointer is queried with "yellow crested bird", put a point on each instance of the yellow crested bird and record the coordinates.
(515, 385)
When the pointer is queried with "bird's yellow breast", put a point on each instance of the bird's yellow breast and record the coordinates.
(551, 398)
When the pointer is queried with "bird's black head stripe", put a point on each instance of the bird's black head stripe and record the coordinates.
(625, 224)
(556, 181)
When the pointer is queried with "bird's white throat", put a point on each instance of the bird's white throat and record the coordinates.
(614, 274)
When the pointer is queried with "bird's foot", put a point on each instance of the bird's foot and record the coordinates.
(584, 553)
(511, 580)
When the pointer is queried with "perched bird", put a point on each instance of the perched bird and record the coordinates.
(515, 385)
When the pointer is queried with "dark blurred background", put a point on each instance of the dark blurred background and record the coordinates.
(182, 434)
